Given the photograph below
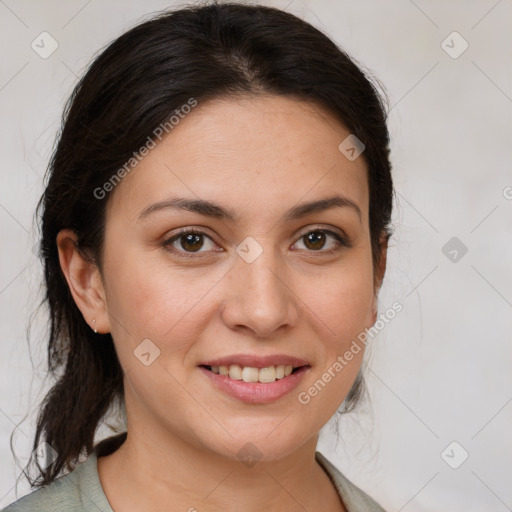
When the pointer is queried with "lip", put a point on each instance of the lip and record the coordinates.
(256, 392)
(256, 361)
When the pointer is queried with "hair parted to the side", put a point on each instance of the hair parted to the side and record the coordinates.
(205, 52)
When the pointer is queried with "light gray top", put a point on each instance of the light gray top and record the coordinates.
(81, 491)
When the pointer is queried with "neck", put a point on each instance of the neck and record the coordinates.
(151, 474)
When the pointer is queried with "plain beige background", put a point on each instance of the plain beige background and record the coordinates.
(440, 371)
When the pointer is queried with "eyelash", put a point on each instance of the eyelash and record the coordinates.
(167, 244)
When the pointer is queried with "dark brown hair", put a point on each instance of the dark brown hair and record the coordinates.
(202, 51)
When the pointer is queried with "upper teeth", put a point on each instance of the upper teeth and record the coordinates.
(249, 374)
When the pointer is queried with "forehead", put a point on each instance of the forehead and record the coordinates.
(267, 152)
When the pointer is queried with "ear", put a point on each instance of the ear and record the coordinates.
(84, 281)
(379, 276)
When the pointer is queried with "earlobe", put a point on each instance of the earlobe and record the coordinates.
(84, 281)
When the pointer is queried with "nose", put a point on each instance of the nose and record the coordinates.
(259, 296)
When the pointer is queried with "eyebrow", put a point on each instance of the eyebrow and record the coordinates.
(211, 209)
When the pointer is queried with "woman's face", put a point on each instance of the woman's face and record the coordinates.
(266, 283)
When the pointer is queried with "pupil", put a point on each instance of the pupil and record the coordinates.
(314, 237)
(194, 239)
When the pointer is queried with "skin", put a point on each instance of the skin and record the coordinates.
(259, 156)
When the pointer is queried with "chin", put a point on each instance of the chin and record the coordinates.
(251, 445)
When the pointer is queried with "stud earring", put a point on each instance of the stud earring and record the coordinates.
(93, 326)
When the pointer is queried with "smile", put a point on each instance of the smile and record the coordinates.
(252, 374)
(245, 383)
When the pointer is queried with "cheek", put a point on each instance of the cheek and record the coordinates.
(342, 299)
(339, 309)
(153, 301)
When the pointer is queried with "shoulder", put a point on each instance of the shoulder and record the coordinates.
(354, 498)
(74, 492)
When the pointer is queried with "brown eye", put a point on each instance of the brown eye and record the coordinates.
(191, 242)
(316, 240)
(187, 241)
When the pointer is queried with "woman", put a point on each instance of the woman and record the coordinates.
(214, 236)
